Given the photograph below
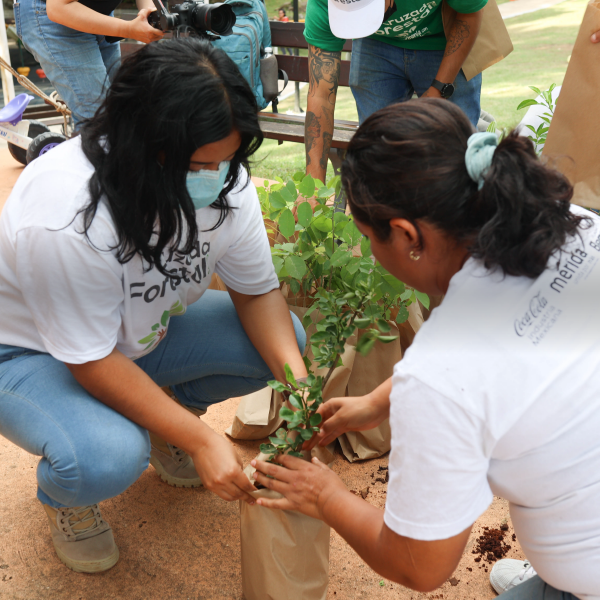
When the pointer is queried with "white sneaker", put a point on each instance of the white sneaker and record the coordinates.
(509, 573)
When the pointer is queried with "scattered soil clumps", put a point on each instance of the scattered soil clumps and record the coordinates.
(491, 546)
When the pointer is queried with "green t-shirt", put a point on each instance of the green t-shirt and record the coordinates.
(416, 24)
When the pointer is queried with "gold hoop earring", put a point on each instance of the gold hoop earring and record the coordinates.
(414, 256)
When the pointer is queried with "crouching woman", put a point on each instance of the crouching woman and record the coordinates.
(500, 392)
(107, 247)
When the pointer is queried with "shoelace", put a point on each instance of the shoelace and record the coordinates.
(72, 516)
(528, 571)
(179, 454)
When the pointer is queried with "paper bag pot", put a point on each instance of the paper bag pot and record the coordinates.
(285, 554)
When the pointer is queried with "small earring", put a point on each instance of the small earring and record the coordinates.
(414, 256)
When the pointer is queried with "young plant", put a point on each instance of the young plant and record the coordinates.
(540, 132)
(325, 258)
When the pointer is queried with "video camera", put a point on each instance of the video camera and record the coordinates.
(195, 17)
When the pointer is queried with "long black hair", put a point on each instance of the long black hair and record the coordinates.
(408, 161)
(166, 101)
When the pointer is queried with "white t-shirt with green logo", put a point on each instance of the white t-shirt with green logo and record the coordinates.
(61, 295)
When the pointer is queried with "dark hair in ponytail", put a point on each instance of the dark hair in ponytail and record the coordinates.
(408, 161)
(167, 100)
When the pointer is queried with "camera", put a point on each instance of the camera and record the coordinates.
(193, 18)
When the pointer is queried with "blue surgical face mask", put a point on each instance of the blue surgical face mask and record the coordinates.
(204, 186)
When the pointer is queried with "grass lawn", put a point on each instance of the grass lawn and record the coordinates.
(543, 41)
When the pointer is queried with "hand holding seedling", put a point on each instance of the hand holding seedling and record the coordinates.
(306, 486)
(220, 469)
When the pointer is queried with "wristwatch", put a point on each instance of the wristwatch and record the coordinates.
(446, 89)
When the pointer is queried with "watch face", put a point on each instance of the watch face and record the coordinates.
(447, 90)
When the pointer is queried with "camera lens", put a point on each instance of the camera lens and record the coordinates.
(214, 18)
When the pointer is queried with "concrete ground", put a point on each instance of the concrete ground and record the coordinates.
(184, 544)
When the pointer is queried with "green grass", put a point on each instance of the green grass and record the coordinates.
(543, 41)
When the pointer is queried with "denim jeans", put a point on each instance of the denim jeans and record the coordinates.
(382, 74)
(79, 65)
(535, 589)
(89, 451)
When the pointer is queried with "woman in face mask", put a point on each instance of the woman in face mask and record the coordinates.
(107, 248)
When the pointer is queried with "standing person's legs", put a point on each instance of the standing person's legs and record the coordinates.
(378, 76)
(72, 60)
(535, 589)
(422, 68)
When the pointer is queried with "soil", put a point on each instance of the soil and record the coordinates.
(490, 546)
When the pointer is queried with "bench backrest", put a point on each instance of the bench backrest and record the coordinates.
(291, 35)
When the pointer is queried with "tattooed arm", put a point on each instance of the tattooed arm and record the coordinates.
(460, 41)
(324, 76)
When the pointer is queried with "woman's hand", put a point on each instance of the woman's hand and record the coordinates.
(307, 486)
(347, 414)
(139, 29)
(220, 469)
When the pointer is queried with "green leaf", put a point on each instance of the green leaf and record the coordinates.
(383, 325)
(365, 247)
(307, 187)
(277, 263)
(148, 338)
(527, 103)
(298, 176)
(287, 224)
(325, 192)
(536, 90)
(281, 433)
(295, 402)
(386, 339)
(315, 420)
(277, 386)
(277, 442)
(361, 323)
(289, 375)
(365, 344)
(305, 214)
(294, 286)
(295, 266)
(402, 315)
(287, 195)
(277, 201)
(296, 454)
(164, 319)
(424, 298)
(306, 434)
(155, 326)
(323, 224)
(340, 257)
(352, 233)
(291, 188)
(491, 128)
(287, 414)
(267, 449)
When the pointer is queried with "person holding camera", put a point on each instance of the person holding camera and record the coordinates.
(499, 393)
(107, 247)
(69, 40)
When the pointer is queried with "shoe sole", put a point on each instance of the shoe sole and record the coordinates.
(171, 480)
(97, 566)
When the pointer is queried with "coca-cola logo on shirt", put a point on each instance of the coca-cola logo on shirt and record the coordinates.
(536, 307)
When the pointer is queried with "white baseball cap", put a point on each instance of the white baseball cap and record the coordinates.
(353, 19)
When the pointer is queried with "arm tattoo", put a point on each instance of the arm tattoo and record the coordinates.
(312, 131)
(324, 66)
(327, 138)
(460, 32)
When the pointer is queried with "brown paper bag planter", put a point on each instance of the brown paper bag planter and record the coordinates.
(572, 142)
(285, 554)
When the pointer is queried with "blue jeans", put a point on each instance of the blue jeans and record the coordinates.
(535, 589)
(382, 74)
(89, 451)
(79, 65)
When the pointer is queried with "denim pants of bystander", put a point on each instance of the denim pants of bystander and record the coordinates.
(89, 451)
(382, 74)
(79, 65)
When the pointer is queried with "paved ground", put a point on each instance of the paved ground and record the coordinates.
(183, 544)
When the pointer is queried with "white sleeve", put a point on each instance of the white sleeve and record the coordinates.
(438, 463)
(73, 293)
(247, 266)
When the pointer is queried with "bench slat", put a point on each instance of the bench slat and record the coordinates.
(288, 132)
(291, 35)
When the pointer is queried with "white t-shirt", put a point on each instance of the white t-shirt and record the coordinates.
(500, 394)
(61, 295)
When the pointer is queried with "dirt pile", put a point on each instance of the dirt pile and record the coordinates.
(491, 546)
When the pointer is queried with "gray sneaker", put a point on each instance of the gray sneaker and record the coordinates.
(174, 466)
(83, 541)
